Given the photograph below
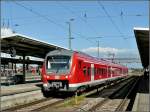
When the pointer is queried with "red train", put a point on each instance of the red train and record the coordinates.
(65, 70)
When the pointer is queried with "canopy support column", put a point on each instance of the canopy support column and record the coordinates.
(15, 68)
(24, 72)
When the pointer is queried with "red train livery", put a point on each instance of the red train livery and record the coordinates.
(66, 70)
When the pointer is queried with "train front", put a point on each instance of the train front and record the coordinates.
(56, 70)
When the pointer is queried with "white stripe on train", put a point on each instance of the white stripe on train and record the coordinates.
(95, 82)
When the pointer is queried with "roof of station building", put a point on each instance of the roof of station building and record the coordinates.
(25, 45)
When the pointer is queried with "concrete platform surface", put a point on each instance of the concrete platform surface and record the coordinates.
(4, 79)
(141, 103)
(20, 88)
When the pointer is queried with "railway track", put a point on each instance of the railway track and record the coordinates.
(52, 101)
(117, 99)
(87, 93)
(121, 106)
(41, 105)
(37, 105)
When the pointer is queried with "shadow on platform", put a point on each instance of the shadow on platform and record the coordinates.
(143, 85)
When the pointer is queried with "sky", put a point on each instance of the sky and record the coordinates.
(109, 22)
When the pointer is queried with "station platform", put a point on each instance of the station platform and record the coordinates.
(141, 103)
(11, 80)
(20, 88)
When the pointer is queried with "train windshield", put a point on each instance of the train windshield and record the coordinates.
(58, 64)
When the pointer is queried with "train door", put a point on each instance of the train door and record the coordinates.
(92, 72)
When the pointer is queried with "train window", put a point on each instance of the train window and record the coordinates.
(95, 70)
(84, 70)
(113, 72)
(98, 71)
(89, 70)
(79, 64)
(101, 71)
(108, 71)
(58, 64)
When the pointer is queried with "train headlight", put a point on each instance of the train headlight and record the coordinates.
(47, 76)
(66, 77)
(45, 85)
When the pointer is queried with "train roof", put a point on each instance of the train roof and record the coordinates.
(81, 54)
(61, 52)
(100, 60)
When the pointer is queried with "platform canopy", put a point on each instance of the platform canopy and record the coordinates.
(142, 39)
(24, 45)
(6, 60)
(21, 45)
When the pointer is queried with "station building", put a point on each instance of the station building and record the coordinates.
(28, 52)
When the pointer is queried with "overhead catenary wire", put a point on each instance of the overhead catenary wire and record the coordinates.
(112, 21)
(88, 17)
(85, 15)
(60, 25)
(49, 20)
(118, 16)
(111, 37)
(40, 15)
(107, 14)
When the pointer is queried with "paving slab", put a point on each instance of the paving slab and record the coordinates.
(20, 88)
(141, 103)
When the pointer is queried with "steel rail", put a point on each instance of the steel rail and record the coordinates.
(103, 88)
(102, 102)
(24, 106)
(120, 107)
